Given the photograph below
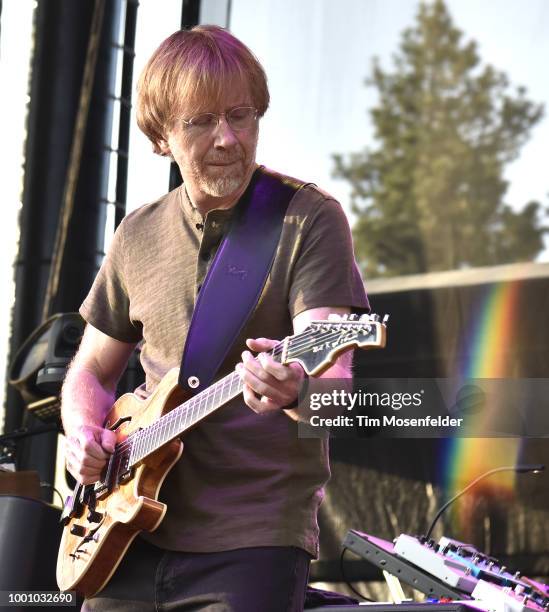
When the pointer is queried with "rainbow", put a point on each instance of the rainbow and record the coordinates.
(484, 353)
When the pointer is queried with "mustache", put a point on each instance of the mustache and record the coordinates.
(224, 158)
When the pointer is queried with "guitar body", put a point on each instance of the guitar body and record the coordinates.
(90, 551)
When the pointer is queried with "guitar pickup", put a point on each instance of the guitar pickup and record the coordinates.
(125, 476)
(101, 490)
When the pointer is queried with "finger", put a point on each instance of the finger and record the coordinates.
(82, 473)
(254, 366)
(108, 440)
(250, 399)
(93, 449)
(259, 405)
(261, 344)
(270, 389)
(272, 373)
(277, 370)
(84, 478)
(76, 453)
(78, 457)
(90, 443)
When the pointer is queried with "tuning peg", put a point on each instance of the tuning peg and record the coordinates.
(353, 317)
(365, 317)
(334, 317)
(344, 317)
(385, 319)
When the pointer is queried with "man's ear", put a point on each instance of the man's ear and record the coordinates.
(163, 148)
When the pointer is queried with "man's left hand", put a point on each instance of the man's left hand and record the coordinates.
(276, 385)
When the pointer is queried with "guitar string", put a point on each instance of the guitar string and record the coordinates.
(302, 345)
(229, 380)
(225, 384)
(165, 423)
(196, 403)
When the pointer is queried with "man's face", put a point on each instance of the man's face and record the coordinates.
(218, 162)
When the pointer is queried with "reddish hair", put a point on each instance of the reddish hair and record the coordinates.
(191, 67)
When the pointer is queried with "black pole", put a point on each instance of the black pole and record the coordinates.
(62, 31)
(128, 49)
(190, 16)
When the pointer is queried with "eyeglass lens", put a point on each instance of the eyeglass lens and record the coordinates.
(240, 118)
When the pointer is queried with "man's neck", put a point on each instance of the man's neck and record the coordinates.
(204, 202)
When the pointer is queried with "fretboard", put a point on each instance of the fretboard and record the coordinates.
(317, 342)
(174, 423)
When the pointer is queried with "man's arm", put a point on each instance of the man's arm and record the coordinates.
(87, 397)
(276, 384)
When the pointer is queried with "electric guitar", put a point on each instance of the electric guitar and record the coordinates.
(102, 519)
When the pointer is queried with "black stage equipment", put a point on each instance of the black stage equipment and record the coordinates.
(29, 539)
(40, 365)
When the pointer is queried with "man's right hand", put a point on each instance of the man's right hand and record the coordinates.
(88, 448)
(87, 396)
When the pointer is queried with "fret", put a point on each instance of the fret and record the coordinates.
(164, 429)
(155, 437)
(216, 388)
(210, 402)
(160, 433)
(142, 442)
(170, 428)
(132, 449)
(191, 410)
(183, 421)
(141, 445)
(136, 447)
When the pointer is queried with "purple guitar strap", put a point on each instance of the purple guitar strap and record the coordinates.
(236, 277)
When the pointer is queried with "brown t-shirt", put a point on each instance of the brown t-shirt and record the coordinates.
(244, 479)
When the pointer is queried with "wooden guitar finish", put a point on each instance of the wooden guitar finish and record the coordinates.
(86, 566)
(103, 518)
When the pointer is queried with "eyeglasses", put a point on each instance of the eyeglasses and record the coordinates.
(239, 119)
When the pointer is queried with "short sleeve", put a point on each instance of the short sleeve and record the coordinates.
(107, 305)
(326, 273)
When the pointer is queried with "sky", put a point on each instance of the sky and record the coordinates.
(317, 54)
(317, 73)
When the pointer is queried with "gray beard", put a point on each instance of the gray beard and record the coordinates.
(221, 186)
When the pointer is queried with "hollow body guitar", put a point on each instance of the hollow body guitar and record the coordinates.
(101, 519)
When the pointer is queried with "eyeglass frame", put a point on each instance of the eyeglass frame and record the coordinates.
(189, 122)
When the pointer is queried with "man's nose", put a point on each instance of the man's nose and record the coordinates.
(224, 135)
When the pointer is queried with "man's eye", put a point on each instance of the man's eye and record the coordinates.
(239, 114)
(204, 120)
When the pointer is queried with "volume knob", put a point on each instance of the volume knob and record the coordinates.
(78, 530)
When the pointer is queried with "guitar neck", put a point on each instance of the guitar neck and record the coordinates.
(315, 349)
(181, 418)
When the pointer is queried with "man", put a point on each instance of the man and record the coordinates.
(241, 526)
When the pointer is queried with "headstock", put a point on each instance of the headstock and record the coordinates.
(318, 346)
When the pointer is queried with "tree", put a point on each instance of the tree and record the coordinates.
(431, 196)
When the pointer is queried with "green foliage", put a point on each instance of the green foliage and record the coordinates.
(431, 196)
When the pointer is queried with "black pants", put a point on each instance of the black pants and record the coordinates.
(264, 579)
